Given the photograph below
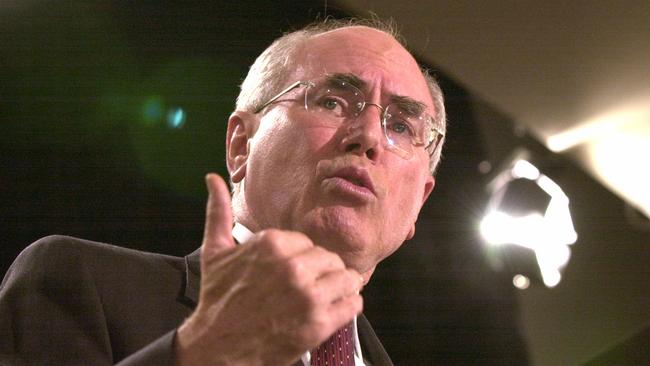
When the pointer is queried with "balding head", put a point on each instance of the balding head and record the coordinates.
(302, 160)
(271, 70)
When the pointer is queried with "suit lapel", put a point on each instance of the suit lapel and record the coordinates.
(192, 276)
(373, 352)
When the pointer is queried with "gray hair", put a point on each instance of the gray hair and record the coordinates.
(267, 76)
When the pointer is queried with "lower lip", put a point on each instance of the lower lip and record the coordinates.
(347, 188)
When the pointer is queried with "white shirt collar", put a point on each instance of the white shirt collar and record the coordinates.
(241, 233)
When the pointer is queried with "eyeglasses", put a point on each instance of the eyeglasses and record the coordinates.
(335, 100)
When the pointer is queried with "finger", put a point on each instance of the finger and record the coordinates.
(343, 311)
(338, 285)
(218, 218)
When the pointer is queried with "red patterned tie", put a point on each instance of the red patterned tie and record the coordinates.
(338, 350)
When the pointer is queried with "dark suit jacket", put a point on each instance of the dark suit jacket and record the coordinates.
(67, 301)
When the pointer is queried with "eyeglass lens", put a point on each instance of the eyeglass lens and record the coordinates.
(338, 100)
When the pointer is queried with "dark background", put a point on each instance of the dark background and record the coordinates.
(87, 149)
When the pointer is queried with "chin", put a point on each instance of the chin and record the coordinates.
(361, 264)
(341, 242)
(342, 231)
(355, 249)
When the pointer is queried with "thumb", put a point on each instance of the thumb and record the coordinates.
(217, 234)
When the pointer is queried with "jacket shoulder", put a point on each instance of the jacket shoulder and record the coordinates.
(102, 297)
(62, 259)
(57, 248)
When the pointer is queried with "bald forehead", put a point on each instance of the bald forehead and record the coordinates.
(366, 52)
(360, 32)
(359, 36)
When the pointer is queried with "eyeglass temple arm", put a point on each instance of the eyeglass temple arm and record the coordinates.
(283, 92)
(436, 140)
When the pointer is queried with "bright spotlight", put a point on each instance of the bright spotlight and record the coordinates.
(530, 210)
(521, 282)
(524, 169)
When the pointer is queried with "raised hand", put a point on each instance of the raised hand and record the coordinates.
(265, 302)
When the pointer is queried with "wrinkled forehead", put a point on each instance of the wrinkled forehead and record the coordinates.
(372, 55)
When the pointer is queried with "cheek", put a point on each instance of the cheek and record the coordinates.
(285, 151)
(295, 131)
(407, 197)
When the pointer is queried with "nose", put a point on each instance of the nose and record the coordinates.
(364, 133)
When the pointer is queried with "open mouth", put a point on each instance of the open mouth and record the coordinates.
(357, 176)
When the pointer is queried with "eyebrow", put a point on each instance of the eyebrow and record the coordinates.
(409, 105)
(405, 103)
(348, 78)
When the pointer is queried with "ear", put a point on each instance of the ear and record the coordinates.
(241, 128)
(428, 188)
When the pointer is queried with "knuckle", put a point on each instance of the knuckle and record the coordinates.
(268, 235)
(315, 296)
(337, 261)
(294, 269)
(332, 258)
(310, 299)
(321, 250)
(302, 237)
(270, 240)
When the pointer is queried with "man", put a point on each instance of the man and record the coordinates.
(330, 152)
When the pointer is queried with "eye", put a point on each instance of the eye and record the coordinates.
(399, 127)
(330, 104)
(333, 104)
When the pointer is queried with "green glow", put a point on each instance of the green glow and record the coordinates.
(152, 110)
